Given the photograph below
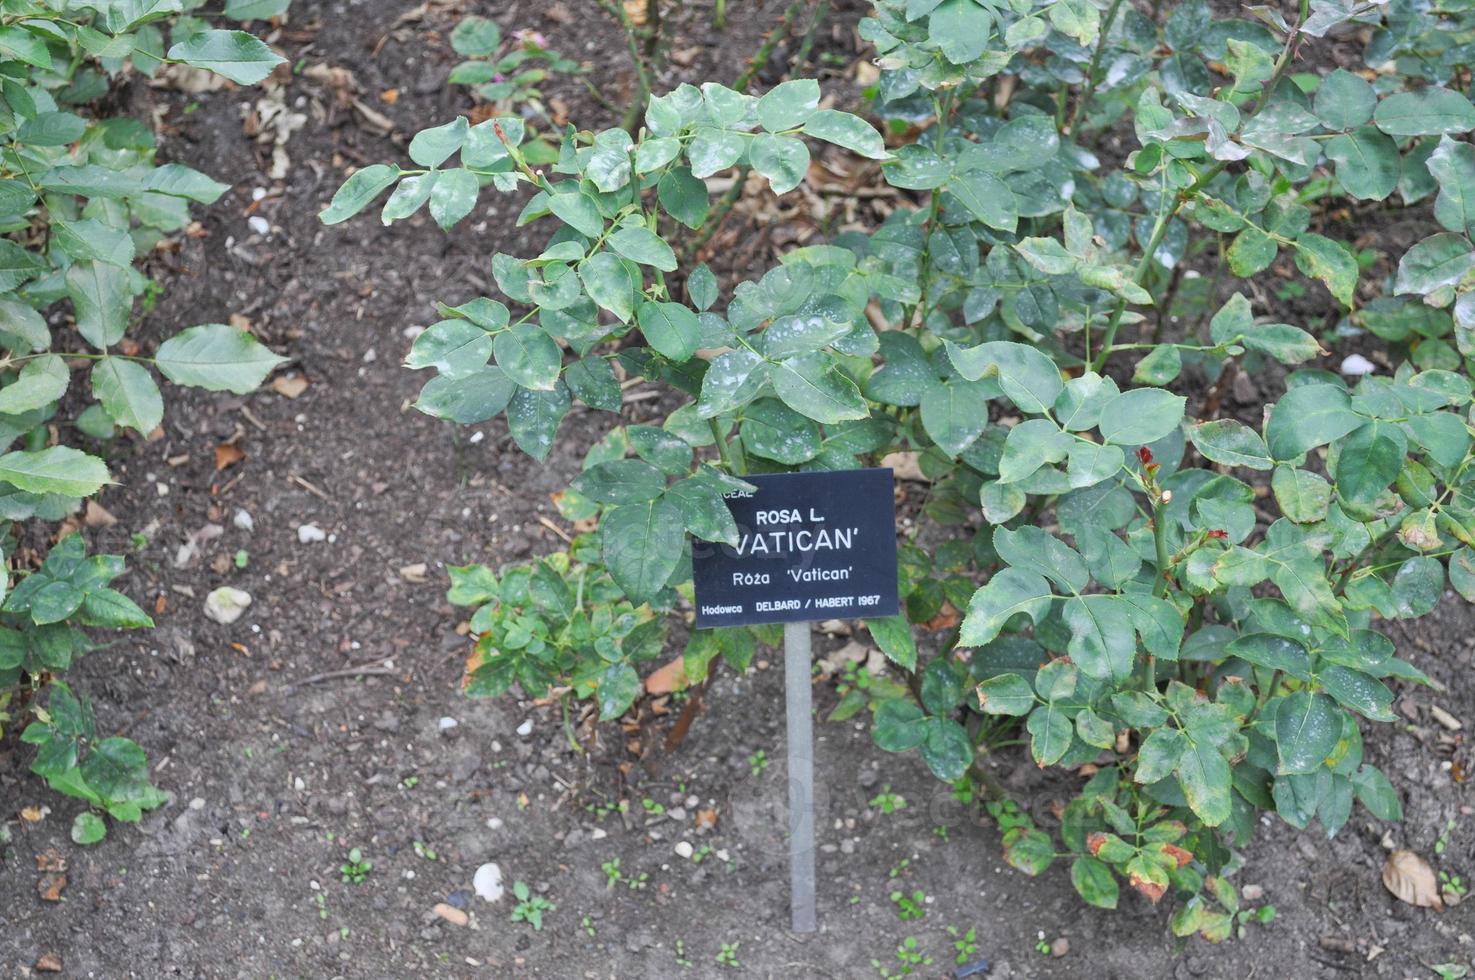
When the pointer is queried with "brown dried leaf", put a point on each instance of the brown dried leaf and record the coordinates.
(98, 516)
(48, 963)
(905, 466)
(50, 887)
(290, 386)
(227, 455)
(51, 860)
(1410, 879)
(414, 573)
(34, 814)
(671, 677)
(706, 818)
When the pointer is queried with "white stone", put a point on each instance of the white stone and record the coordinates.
(308, 533)
(259, 224)
(526, 728)
(684, 850)
(1355, 366)
(488, 882)
(447, 723)
(225, 605)
(244, 521)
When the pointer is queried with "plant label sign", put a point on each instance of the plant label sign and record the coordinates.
(810, 546)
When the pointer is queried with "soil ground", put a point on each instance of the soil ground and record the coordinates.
(277, 771)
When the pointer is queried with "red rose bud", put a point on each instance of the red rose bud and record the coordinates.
(497, 128)
(1144, 454)
(1217, 535)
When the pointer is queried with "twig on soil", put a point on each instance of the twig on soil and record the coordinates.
(363, 670)
(555, 529)
(309, 488)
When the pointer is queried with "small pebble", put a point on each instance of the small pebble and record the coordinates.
(526, 728)
(488, 882)
(309, 533)
(684, 850)
(244, 521)
(226, 604)
(259, 224)
(1060, 947)
(1355, 365)
(1252, 893)
(446, 724)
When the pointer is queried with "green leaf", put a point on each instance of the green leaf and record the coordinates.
(947, 749)
(1141, 416)
(469, 398)
(1034, 549)
(1377, 793)
(59, 469)
(894, 636)
(621, 481)
(1205, 778)
(128, 392)
(670, 328)
(1231, 443)
(24, 324)
(453, 196)
(1437, 261)
(111, 608)
(41, 382)
(88, 828)
(1303, 496)
(960, 29)
(528, 356)
(611, 284)
(1009, 592)
(1309, 416)
(476, 37)
(1273, 653)
(216, 357)
(533, 418)
(1344, 101)
(639, 244)
(177, 180)
(618, 687)
(1051, 733)
(101, 300)
(1453, 165)
(235, 54)
(1094, 882)
(774, 431)
(845, 130)
(782, 159)
(788, 105)
(899, 725)
(1006, 694)
(1367, 462)
(87, 240)
(1367, 163)
(19, 43)
(1426, 112)
(408, 197)
(1029, 445)
(1030, 851)
(431, 147)
(987, 197)
(116, 769)
(813, 385)
(1102, 641)
(55, 601)
(1329, 261)
(577, 211)
(683, 196)
(1028, 378)
(1159, 754)
(1356, 690)
(714, 150)
(703, 510)
(642, 545)
(955, 413)
(51, 129)
(471, 585)
(1307, 729)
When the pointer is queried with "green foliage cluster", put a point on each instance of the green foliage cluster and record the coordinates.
(1187, 604)
(82, 202)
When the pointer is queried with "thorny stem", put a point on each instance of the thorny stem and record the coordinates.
(1165, 217)
(1090, 90)
(642, 68)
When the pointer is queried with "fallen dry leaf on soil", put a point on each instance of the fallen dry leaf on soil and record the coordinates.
(50, 860)
(227, 455)
(48, 963)
(34, 814)
(1410, 879)
(414, 573)
(706, 819)
(905, 466)
(671, 677)
(50, 887)
(290, 387)
(98, 516)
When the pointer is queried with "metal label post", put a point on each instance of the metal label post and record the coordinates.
(800, 724)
